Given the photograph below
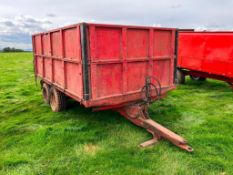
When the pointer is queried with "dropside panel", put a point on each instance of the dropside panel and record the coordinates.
(57, 57)
(121, 57)
(163, 52)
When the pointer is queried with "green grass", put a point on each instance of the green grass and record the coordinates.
(34, 140)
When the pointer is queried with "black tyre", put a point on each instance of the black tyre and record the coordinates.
(196, 78)
(45, 92)
(180, 76)
(231, 84)
(58, 100)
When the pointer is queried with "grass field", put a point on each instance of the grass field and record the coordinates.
(34, 140)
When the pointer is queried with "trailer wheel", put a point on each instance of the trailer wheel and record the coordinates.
(196, 78)
(58, 101)
(180, 76)
(231, 84)
(45, 92)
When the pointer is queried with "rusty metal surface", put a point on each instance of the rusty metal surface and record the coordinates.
(138, 115)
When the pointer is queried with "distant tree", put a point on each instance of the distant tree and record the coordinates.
(6, 49)
(11, 49)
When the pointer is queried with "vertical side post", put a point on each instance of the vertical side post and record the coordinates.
(42, 55)
(51, 57)
(151, 47)
(176, 53)
(63, 58)
(85, 63)
(124, 59)
(34, 58)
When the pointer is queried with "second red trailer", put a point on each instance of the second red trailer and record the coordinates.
(205, 55)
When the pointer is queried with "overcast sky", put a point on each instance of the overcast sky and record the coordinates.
(20, 18)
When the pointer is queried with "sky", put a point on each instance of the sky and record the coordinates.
(21, 18)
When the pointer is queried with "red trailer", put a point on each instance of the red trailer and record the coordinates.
(102, 66)
(205, 55)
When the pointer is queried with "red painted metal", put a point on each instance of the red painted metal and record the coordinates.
(119, 58)
(206, 54)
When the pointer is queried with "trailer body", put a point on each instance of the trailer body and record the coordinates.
(206, 54)
(105, 65)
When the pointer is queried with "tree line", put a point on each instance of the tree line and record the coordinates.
(11, 49)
